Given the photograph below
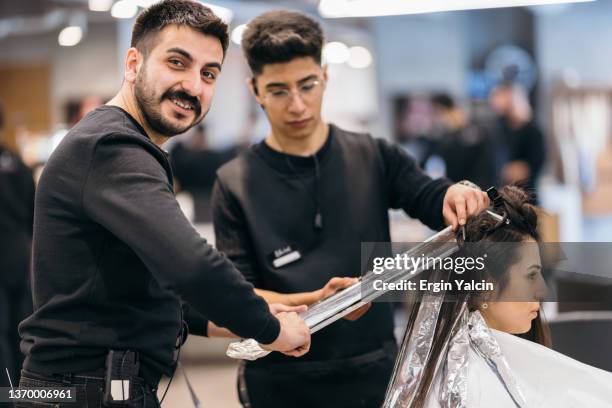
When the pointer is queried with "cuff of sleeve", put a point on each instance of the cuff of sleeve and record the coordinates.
(270, 332)
(199, 326)
(444, 186)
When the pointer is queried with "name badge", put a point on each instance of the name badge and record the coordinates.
(284, 256)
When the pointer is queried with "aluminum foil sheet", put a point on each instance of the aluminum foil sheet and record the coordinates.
(246, 350)
(453, 387)
(469, 332)
(325, 312)
(414, 354)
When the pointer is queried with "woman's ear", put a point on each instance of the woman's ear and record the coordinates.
(483, 308)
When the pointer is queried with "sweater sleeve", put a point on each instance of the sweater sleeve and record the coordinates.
(196, 322)
(128, 193)
(410, 188)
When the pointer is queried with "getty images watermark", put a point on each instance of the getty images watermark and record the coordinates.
(410, 265)
(577, 272)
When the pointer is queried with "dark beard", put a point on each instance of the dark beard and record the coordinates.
(150, 108)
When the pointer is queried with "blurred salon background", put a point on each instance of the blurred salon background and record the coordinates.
(496, 95)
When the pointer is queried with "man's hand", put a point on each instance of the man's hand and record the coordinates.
(276, 308)
(460, 202)
(294, 337)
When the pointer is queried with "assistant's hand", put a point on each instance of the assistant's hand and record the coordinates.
(462, 201)
(294, 337)
(356, 314)
(334, 285)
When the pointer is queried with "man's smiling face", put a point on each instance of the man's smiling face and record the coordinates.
(176, 81)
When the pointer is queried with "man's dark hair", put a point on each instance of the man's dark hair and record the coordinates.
(281, 36)
(176, 12)
(443, 100)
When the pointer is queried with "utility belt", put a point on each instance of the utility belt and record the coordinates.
(119, 381)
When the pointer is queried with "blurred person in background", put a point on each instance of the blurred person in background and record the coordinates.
(467, 149)
(521, 144)
(292, 211)
(16, 219)
(195, 165)
(77, 109)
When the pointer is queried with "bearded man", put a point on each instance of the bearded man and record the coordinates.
(120, 275)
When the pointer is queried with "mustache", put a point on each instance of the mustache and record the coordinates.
(181, 95)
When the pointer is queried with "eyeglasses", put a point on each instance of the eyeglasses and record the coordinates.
(282, 96)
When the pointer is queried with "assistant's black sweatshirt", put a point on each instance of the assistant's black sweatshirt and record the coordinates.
(265, 203)
(114, 256)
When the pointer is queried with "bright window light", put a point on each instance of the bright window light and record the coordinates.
(373, 8)
(359, 57)
(223, 13)
(124, 9)
(237, 33)
(70, 36)
(335, 52)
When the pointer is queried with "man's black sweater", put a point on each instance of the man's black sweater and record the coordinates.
(266, 201)
(114, 257)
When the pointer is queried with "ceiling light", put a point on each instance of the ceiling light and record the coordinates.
(237, 33)
(124, 9)
(373, 8)
(100, 5)
(335, 52)
(359, 57)
(70, 36)
(129, 8)
(145, 3)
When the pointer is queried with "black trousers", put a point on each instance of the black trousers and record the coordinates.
(358, 382)
(89, 391)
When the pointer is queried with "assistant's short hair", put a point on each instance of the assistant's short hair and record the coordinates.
(281, 36)
(176, 12)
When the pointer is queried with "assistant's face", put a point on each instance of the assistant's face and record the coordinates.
(519, 302)
(175, 83)
(292, 95)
